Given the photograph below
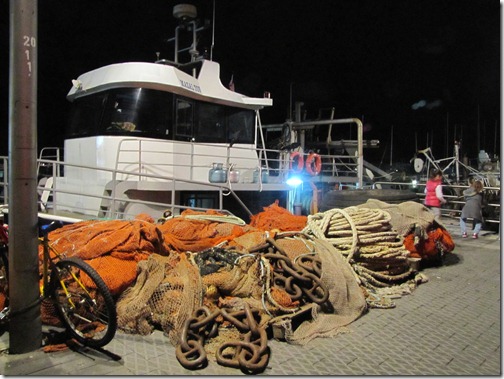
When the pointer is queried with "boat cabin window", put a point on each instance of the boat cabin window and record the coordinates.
(142, 112)
(211, 125)
(124, 111)
(209, 122)
(184, 119)
(241, 127)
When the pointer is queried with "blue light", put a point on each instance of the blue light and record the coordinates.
(294, 181)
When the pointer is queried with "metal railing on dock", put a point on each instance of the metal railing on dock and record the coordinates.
(453, 193)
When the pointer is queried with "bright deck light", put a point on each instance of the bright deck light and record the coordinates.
(294, 181)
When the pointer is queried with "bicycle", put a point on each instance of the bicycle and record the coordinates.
(81, 297)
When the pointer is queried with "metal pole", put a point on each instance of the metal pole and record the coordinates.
(478, 131)
(391, 143)
(495, 139)
(456, 144)
(25, 329)
(447, 134)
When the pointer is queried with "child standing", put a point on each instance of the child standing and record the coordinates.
(472, 209)
(434, 194)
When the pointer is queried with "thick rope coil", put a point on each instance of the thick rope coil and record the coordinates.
(365, 237)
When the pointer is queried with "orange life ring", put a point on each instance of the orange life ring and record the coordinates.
(313, 164)
(296, 155)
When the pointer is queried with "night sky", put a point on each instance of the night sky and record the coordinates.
(372, 59)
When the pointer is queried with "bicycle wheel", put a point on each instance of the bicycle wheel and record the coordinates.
(89, 311)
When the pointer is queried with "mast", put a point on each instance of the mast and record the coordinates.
(391, 143)
(478, 130)
(495, 139)
(447, 135)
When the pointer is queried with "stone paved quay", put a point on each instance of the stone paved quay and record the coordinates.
(450, 325)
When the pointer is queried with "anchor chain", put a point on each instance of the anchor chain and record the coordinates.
(190, 351)
(250, 354)
(297, 280)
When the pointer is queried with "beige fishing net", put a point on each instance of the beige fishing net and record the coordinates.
(346, 300)
(404, 216)
(166, 293)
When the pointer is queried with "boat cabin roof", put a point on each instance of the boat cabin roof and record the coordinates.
(205, 86)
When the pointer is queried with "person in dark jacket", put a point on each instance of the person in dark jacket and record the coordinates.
(473, 208)
(434, 194)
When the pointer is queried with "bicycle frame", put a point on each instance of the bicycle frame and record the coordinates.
(63, 281)
(48, 266)
(47, 263)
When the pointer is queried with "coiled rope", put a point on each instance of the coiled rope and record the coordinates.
(365, 237)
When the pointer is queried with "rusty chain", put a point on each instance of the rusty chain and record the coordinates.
(250, 355)
(190, 351)
(297, 280)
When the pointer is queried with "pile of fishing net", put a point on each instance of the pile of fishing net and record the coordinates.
(434, 245)
(277, 280)
(112, 247)
(197, 230)
(214, 284)
(275, 217)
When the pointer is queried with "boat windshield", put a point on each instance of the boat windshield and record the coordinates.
(158, 114)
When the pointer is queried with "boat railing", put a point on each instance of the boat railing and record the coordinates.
(453, 193)
(114, 198)
(51, 153)
(193, 160)
(344, 166)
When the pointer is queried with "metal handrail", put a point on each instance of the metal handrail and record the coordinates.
(229, 152)
(223, 188)
(452, 199)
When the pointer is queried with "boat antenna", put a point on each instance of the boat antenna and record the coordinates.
(290, 102)
(213, 32)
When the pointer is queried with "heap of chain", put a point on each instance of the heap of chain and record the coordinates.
(300, 279)
(250, 353)
(365, 237)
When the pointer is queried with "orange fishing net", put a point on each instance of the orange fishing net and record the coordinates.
(193, 234)
(275, 217)
(117, 273)
(438, 238)
(113, 247)
(92, 239)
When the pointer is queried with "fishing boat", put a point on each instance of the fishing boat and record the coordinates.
(160, 137)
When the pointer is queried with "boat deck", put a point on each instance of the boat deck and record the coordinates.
(450, 325)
